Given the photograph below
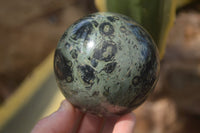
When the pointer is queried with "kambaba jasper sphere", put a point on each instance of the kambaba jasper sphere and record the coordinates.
(106, 64)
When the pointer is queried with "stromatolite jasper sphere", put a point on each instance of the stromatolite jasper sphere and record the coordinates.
(106, 64)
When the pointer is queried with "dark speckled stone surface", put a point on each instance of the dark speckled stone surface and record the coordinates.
(106, 64)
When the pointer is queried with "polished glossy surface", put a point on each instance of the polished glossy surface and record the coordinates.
(106, 64)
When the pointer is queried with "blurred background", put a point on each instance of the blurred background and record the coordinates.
(30, 30)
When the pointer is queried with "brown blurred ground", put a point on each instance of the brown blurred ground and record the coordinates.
(29, 31)
(174, 107)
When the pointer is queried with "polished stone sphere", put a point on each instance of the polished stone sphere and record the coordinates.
(106, 64)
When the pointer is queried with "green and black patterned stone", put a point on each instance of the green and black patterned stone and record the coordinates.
(106, 64)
